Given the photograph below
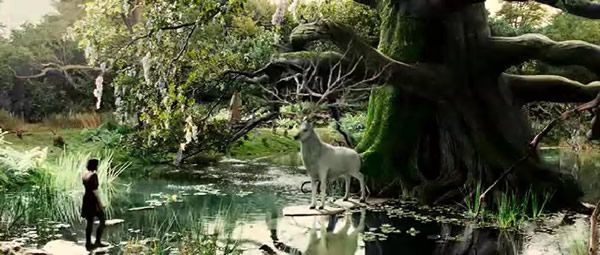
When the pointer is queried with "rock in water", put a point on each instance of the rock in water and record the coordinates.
(140, 208)
(111, 222)
(64, 247)
(36, 252)
(10, 247)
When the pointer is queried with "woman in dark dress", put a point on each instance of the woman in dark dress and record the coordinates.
(92, 205)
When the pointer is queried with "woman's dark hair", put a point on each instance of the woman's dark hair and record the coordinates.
(92, 164)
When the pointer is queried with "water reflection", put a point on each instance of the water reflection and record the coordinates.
(328, 240)
(247, 201)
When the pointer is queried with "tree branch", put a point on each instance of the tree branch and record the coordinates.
(151, 32)
(583, 8)
(56, 70)
(424, 80)
(508, 51)
(186, 43)
(549, 88)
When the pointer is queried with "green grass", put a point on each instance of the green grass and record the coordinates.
(264, 143)
(41, 136)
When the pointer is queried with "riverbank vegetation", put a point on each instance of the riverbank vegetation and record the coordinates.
(154, 88)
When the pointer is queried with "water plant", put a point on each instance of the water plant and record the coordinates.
(65, 180)
(471, 201)
(538, 203)
(189, 235)
(54, 188)
(511, 210)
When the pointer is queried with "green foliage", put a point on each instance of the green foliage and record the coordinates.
(19, 167)
(28, 49)
(526, 14)
(364, 20)
(353, 123)
(161, 75)
(273, 145)
(520, 18)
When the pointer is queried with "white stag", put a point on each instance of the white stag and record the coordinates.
(326, 162)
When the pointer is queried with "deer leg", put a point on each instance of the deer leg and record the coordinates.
(361, 179)
(323, 179)
(347, 179)
(313, 191)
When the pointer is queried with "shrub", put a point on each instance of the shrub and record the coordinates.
(352, 123)
(10, 122)
(77, 120)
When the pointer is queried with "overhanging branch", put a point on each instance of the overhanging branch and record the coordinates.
(427, 81)
(508, 51)
(549, 88)
(56, 70)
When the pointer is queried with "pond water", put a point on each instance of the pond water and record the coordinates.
(246, 200)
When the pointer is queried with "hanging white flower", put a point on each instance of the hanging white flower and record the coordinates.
(293, 7)
(279, 14)
(146, 65)
(126, 7)
(190, 130)
(98, 90)
(159, 36)
(161, 84)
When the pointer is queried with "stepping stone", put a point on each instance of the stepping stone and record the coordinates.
(65, 247)
(143, 208)
(303, 210)
(111, 222)
(231, 160)
(353, 203)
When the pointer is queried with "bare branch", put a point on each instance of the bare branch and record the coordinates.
(56, 70)
(508, 51)
(151, 32)
(423, 80)
(549, 88)
(186, 43)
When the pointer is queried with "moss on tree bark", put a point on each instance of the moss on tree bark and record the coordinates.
(395, 119)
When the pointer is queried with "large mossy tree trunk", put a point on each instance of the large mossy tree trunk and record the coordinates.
(447, 116)
(396, 121)
(433, 150)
